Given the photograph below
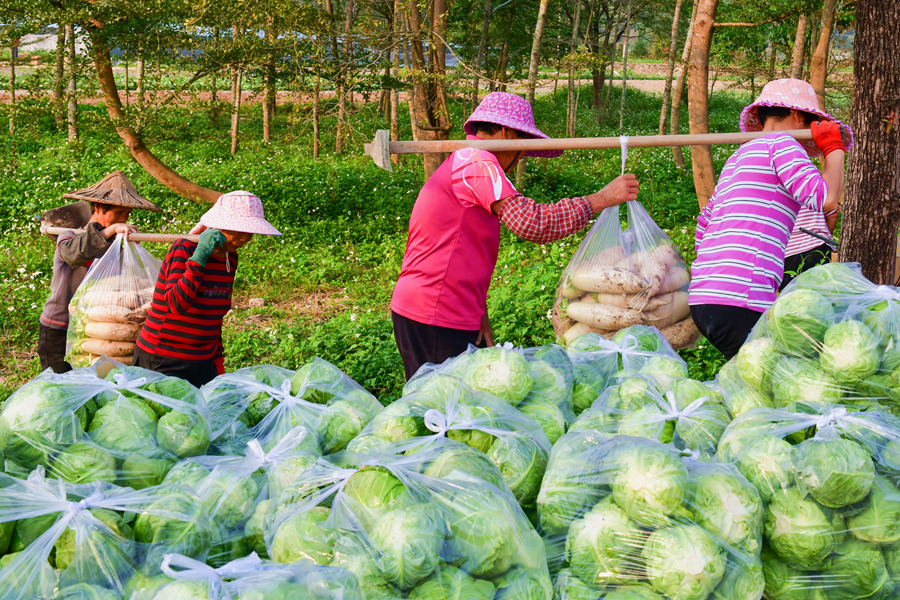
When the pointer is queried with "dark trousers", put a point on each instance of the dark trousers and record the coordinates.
(804, 261)
(195, 372)
(419, 343)
(52, 349)
(726, 327)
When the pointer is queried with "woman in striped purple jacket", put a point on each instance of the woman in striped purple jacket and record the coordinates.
(743, 231)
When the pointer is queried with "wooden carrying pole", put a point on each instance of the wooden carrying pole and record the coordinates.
(134, 237)
(381, 148)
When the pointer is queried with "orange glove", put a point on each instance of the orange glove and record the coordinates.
(827, 136)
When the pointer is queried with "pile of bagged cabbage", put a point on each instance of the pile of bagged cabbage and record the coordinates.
(596, 472)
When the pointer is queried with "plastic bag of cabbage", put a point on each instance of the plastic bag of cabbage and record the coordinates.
(832, 336)
(129, 427)
(247, 578)
(627, 517)
(689, 414)
(416, 523)
(828, 479)
(599, 362)
(265, 402)
(537, 381)
(445, 406)
(88, 541)
(235, 491)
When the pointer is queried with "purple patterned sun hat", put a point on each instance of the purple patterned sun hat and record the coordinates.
(791, 93)
(503, 108)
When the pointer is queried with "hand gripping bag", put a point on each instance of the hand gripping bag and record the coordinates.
(110, 306)
(408, 534)
(618, 278)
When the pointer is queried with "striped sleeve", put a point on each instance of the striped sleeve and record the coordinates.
(543, 223)
(183, 278)
(798, 174)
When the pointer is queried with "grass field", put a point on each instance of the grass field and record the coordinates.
(326, 283)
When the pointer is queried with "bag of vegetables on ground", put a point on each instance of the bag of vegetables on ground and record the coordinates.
(621, 278)
(129, 427)
(599, 363)
(628, 517)
(265, 403)
(831, 336)
(537, 381)
(110, 306)
(246, 578)
(442, 405)
(413, 523)
(89, 541)
(828, 481)
(236, 490)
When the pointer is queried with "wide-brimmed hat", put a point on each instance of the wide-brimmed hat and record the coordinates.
(114, 189)
(238, 211)
(790, 93)
(503, 108)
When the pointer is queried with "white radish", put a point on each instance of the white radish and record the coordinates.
(119, 332)
(676, 278)
(125, 360)
(656, 265)
(609, 280)
(114, 314)
(632, 301)
(682, 334)
(603, 316)
(568, 290)
(668, 314)
(607, 257)
(111, 349)
(580, 329)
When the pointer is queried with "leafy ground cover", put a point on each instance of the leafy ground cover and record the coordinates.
(325, 284)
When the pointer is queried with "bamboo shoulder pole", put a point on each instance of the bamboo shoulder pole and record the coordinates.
(134, 237)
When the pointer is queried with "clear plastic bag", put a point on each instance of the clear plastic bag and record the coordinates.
(599, 363)
(110, 306)
(265, 403)
(832, 336)
(621, 278)
(443, 405)
(236, 491)
(626, 517)
(828, 481)
(407, 534)
(84, 541)
(128, 428)
(537, 381)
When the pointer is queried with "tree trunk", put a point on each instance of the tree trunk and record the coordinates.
(235, 109)
(315, 117)
(799, 43)
(818, 65)
(71, 100)
(133, 141)
(698, 102)
(59, 81)
(127, 85)
(772, 50)
(140, 83)
(667, 90)
(624, 70)
(872, 205)
(479, 59)
(12, 90)
(597, 73)
(344, 90)
(395, 73)
(678, 91)
(269, 83)
(536, 40)
(571, 96)
(501, 70)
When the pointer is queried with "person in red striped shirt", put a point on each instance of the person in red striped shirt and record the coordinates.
(182, 335)
(439, 305)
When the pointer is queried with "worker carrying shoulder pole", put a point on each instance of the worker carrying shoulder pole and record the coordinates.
(439, 305)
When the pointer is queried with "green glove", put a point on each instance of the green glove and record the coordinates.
(210, 239)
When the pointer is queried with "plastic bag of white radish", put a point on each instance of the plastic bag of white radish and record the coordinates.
(618, 278)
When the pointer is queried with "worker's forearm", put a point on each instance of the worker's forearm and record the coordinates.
(833, 174)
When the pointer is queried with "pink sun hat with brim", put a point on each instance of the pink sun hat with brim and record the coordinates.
(238, 211)
(504, 108)
(790, 93)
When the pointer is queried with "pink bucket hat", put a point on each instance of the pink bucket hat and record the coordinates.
(791, 93)
(503, 108)
(238, 211)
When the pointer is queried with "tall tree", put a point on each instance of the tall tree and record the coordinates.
(871, 211)
(537, 39)
(667, 90)
(799, 43)
(698, 101)
(12, 89)
(59, 80)
(71, 99)
(479, 60)
(678, 91)
(818, 65)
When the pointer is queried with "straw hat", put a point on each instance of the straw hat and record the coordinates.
(114, 189)
(503, 108)
(238, 211)
(790, 93)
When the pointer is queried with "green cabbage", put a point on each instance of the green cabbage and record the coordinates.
(521, 584)
(648, 481)
(600, 545)
(456, 459)
(35, 421)
(548, 415)
(798, 320)
(783, 582)
(84, 463)
(745, 399)
(800, 531)
(569, 587)
(648, 422)
(452, 584)
(756, 362)
(857, 570)
(701, 429)
(126, 425)
(836, 472)
(878, 521)
(174, 523)
(850, 352)
(408, 543)
(521, 462)
(728, 506)
(138, 471)
(304, 535)
(86, 591)
(503, 373)
(799, 380)
(570, 486)
(683, 562)
(183, 434)
(637, 591)
(743, 580)
(766, 461)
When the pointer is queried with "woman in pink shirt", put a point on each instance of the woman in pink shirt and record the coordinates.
(439, 305)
